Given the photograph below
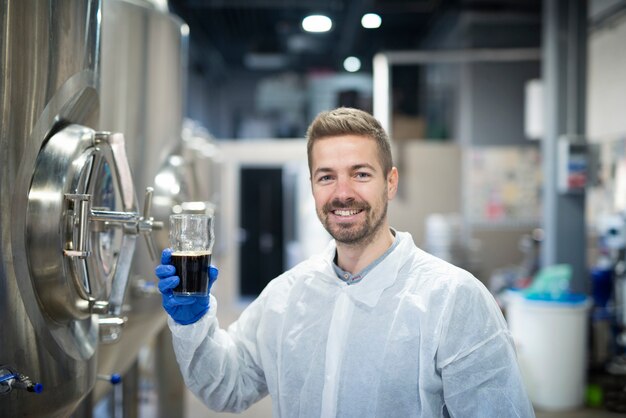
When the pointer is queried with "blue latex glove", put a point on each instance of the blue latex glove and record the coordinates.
(184, 310)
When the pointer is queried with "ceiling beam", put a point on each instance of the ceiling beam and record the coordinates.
(350, 26)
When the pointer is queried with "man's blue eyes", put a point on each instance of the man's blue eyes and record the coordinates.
(358, 175)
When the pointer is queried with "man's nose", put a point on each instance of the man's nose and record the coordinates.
(344, 190)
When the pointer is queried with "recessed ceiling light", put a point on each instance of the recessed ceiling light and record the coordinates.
(371, 21)
(352, 64)
(317, 23)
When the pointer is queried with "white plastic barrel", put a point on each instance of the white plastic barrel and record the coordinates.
(551, 342)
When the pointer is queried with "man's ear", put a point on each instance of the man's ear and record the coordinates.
(392, 183)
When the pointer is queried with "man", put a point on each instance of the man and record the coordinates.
(372, 327)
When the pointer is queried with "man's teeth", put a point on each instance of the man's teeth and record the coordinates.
(346, 212)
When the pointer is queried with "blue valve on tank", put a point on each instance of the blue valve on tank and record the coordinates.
(11, 379)
(113, 379)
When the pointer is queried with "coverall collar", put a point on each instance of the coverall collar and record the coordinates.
(382, 276)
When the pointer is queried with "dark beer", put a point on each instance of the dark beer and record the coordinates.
(193, 269)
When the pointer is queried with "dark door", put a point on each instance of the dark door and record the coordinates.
(261, 221)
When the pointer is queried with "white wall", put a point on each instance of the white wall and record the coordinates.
(430, 182)
(606, 86)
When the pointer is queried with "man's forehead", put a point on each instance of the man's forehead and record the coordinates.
(330, 155)
(361, 141)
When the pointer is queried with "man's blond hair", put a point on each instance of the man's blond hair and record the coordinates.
(349, 121)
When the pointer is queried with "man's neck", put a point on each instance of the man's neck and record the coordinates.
(354, 258)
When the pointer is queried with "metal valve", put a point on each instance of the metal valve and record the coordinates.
(81, 260)
(111, 328)
(82, 203)
(135, 223)
(147, 224)
(87, 219)
(11, 379)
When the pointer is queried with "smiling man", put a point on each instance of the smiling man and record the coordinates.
(351, 187)
(371, 327)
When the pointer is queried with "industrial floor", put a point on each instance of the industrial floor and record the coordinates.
(109, 408)
(583, 413)
(195, 409)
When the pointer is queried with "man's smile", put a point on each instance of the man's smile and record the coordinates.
(346, 212)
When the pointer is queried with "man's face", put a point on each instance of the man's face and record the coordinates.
(349, 187)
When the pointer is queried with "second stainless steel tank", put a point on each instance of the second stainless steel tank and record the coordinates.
(143, 67)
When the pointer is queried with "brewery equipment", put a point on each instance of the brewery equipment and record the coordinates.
(83, 128)
(142, 74)
(45, 91)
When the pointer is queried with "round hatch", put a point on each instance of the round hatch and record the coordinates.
(81, 225)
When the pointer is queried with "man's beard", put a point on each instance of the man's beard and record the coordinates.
(352, 233)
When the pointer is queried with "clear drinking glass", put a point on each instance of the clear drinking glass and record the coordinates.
(191, 240)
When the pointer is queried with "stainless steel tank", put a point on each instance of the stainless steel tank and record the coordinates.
(143, 75)
(69, 219)
(143, 68)
(41, 90)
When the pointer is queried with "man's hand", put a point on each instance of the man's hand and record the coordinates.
(184, 310)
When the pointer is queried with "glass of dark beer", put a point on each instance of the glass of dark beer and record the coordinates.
(191, 240)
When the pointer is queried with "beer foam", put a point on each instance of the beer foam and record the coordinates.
(191, 253)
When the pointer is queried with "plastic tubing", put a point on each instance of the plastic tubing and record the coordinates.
(7, 377)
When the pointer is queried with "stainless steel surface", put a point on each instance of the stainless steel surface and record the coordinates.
(69, 220)
(173, 185)
(68, 217)
(112, 216)
(205, 159)
(130, 392)
(170, 386)
(73, 172)
(143, 56)
(63, 166)
(48, 79)
(148, 224)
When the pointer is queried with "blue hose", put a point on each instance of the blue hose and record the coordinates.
(7, 377)
(20, 382)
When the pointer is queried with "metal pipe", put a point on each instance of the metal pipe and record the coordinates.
(462, 56)
(130, 392)
(113, 216)
(121, 279)
(564, 61)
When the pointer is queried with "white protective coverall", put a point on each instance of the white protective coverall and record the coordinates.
(417, 337)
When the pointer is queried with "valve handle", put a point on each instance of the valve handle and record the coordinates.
(113, 379)
(147, 224)
(82, 207)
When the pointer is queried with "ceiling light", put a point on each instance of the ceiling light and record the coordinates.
(371, 21)
(317, 23)
(352, 64)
